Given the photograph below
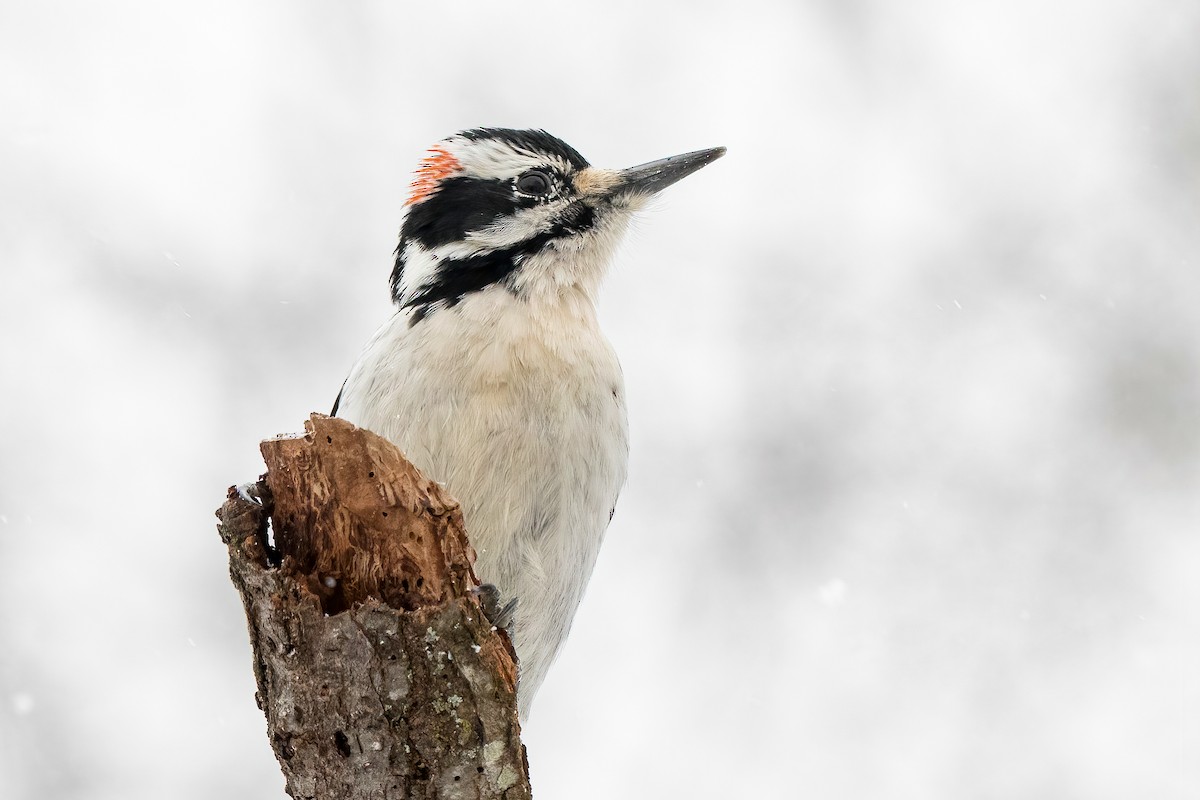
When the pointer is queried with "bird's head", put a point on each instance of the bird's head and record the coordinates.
(518, 211)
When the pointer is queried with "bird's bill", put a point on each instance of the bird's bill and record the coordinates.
(657, 175)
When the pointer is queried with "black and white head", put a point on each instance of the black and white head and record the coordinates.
(517, 211)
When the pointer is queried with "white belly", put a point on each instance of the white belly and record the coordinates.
(520, 411)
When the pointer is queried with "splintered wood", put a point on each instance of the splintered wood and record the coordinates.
(379, 675)
(357, 520)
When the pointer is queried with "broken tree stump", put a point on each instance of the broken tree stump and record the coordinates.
(378, 673)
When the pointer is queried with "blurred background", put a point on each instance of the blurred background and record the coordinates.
(914, 376)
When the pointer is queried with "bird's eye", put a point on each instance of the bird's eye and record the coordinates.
(533, 183)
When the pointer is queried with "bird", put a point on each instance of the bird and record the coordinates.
(493, 375)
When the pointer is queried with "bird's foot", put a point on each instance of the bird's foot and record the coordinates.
(500, 616)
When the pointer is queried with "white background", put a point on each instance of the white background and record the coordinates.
(913, 373)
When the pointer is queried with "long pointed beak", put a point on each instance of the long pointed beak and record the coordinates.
(647, 179)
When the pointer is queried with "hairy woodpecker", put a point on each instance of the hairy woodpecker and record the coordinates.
(493, 376)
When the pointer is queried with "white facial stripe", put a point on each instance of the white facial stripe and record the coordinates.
(421, 264)
(510, 231)
(503, 234)
(492, 158)
(418, 269)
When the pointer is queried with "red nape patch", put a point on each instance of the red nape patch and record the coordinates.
(438, 164)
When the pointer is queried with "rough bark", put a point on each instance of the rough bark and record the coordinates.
(379, 675)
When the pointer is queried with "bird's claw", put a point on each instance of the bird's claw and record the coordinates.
(489, 599)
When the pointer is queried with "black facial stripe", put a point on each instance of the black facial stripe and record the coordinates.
(576, 218)
(458, 206)
(456, 278)
(538, 141)
(398, 272)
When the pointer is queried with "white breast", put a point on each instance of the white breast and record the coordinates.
(517, 405)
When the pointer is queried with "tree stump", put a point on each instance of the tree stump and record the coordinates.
(377, 670)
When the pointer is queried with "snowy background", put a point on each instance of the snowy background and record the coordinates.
(914, 377)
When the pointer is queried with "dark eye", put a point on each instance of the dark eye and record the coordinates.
(533, 183)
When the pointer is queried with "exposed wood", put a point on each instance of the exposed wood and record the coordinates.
(379, 675)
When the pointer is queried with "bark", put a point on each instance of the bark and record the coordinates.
(379, 675)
